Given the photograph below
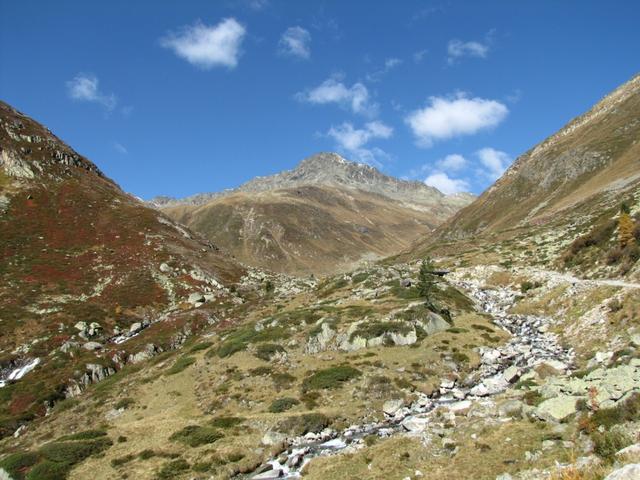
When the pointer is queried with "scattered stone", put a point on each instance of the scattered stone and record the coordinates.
(511, 374)
(91, 346)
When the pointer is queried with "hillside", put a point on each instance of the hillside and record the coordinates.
(88, 274)
(569, 186)
(327, 214)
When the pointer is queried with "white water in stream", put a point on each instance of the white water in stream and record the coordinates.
(529, 345)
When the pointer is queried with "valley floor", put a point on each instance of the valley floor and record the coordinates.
(537, 375)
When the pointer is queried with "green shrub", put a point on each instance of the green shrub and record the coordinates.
(265, 351)
(117, 462)
(86, 435)
(172, 469)
(146, 454)
(200, 346)
(226, 422)
(283, 404)
(376, 329)
(627, 411)
(527, 285)
(48, 470)
(15, 463)
(73, 452)
(330, 378)
(124, 403)
(195, 436)
(533, 398)
(180, 365)
(303, 424)
(360, 277)
(606, 444)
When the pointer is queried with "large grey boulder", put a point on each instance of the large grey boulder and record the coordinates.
(557, 409)
(415, 424)
(390, 407)
(628, 472)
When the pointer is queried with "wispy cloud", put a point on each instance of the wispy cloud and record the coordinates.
(295, 42)
(419, 56)
(447, 117)
(495, 162)
(354, 141)
(208, 46)
(458, 48)
(389, 64)
(355, 98)
(121, 149)
(85, 88)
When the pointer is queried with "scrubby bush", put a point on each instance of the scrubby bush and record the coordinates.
(16, 463)
(172, 469)
(330, 378)
(181, 364)
(194, 435)
(606, 444)
(280, 405)
(266, 351)
(226, 422)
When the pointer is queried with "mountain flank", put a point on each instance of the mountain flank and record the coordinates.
(326, 214)
(559, 203)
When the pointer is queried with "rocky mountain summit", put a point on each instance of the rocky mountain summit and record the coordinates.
(326, 214)
(332, 170)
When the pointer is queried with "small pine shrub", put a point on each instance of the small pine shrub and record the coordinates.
(283, 404)
(330, 378)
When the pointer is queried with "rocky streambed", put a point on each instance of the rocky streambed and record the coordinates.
(530, 344)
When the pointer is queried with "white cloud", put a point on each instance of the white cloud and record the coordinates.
(356, 97)
(457, 49)
(295, 42)
(85, 87)
(494, 161)
(121, 149)
(354, 141)
(453, 162)
(208, 46)
(448, 117)
(389, 64)
(446, 184)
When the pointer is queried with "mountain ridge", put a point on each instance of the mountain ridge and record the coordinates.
(329, 169)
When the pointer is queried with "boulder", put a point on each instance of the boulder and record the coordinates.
(405, 282)
(557, 409)
(630, 450)
(196, 299)
(91, 346)
(273, 438)
(460, 408)
(415, 424)
(268, 475)
(390, 407)
(164, 268)
(511, 374)
(628, 472)
(135, 327)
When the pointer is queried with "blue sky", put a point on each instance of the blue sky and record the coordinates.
(184, 97)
